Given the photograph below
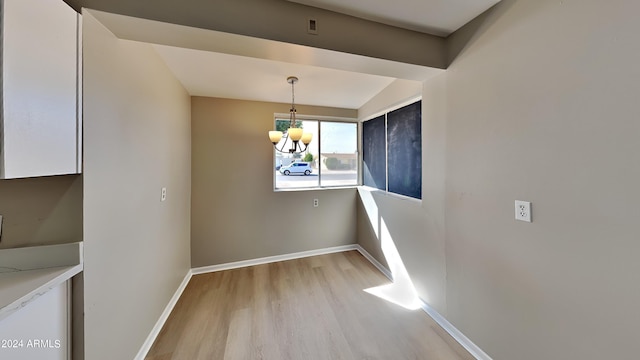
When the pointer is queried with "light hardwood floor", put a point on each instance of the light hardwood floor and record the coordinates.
(305, 309)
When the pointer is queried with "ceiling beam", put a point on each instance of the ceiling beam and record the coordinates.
(285, 21)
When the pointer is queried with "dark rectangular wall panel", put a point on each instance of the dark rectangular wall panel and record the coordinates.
(373, 153)
(404, 136)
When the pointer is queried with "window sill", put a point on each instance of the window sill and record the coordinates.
(319, 188)
(380, 192)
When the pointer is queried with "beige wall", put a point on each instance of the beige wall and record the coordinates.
(416, 227)
(136, 140)
(235, 213)
(542, 105)
(44, 210)
(286, 21)
(397, 93)
(538, 104)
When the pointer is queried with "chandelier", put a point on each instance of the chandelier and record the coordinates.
(293, 135)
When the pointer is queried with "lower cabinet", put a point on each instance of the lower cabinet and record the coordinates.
(40, 330)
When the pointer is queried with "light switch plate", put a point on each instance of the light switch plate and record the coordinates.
(523, 210)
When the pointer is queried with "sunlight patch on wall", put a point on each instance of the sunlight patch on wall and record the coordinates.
(401, 291)
(372, 210)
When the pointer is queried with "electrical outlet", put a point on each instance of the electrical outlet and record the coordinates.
(315, 202)
(523, 211)
(163, 194)
(312, 27)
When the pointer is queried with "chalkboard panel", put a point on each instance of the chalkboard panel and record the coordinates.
(404, 137)
(373, 153)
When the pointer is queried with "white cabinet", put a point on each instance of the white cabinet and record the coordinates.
(35, 301)
(40, 330)
(40, 132)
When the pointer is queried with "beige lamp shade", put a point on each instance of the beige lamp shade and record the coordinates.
(295, 134)
(306, 138)
(275, 136)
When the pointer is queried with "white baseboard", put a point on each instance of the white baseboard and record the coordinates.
(375, 262)
(271, 259)
(146, 346)
(472, 348)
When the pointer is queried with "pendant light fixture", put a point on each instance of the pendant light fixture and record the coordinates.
(293, 135)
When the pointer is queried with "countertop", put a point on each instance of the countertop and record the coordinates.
(19, 288)
(28, 273)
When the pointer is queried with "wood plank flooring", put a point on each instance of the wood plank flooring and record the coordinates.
(305, 309)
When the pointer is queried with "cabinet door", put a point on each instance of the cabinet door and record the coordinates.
(40, 330)
(39, 88)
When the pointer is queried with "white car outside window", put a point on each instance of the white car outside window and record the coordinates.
(296, 168)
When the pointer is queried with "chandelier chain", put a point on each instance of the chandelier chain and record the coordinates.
(293, 104)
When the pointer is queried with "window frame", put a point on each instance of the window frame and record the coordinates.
(319, 119)
(384, 112)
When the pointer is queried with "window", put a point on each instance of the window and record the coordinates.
(330, 160)
(392, 151)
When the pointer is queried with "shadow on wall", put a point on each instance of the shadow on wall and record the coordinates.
(44, 210)
(465, 36)
(401, 291)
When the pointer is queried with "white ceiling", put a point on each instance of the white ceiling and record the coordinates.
(438, 17)
(216, 64)
(205, 73)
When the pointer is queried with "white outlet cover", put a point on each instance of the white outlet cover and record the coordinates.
(523, 210)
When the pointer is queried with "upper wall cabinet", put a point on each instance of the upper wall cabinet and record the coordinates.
(40, 129)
